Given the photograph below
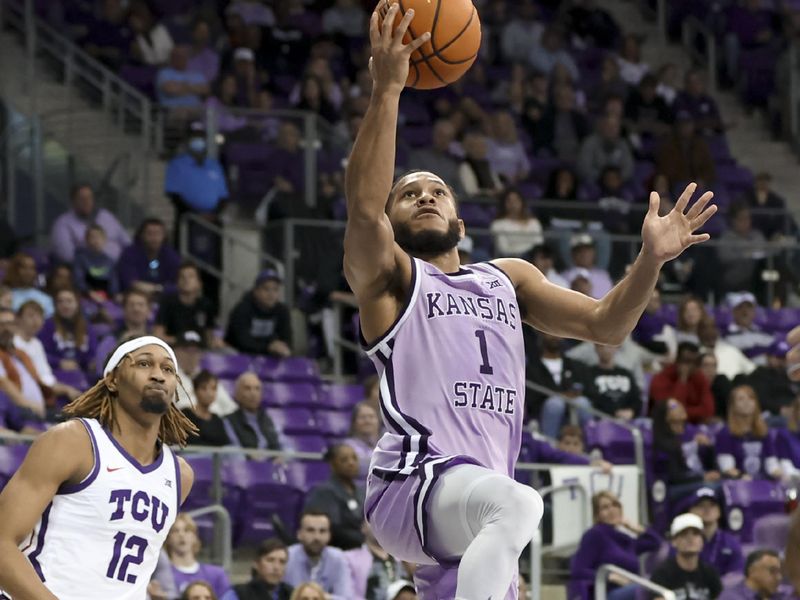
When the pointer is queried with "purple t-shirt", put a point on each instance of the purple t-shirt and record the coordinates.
(747, 453)
(59, 348)
(211, 574)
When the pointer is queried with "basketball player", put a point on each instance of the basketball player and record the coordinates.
(89, 509)
(447, 342)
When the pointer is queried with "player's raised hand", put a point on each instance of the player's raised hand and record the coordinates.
(665, 238)
(793, 356)
(389, 62)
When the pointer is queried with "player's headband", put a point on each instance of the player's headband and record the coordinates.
(132, 346)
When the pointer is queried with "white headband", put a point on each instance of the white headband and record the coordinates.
(132, 346)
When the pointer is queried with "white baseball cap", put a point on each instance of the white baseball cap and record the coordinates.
(685, 521)
(398, 586)
(737, 298)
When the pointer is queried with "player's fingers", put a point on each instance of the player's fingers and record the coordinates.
(655, 202)
(388, 23)
(700, 220)
(417, 43)
(698, 206)
(793, 338)
(698, 239)
(680, 205)
(374, 29)
(402, 27)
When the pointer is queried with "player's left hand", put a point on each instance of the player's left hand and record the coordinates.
(793, 356)
(665, 238)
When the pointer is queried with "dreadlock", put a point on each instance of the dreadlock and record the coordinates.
(97, 403)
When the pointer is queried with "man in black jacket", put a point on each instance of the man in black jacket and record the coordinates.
(260, 323)
(269, 568)
(250, 426)
(776, 392)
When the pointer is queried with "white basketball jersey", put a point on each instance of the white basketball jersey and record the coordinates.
(100, 539)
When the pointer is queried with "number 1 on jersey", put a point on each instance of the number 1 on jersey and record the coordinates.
(486, 368)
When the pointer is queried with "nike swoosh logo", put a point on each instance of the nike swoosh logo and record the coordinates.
(110, 470)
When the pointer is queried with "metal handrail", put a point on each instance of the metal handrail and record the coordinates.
(605, 570)
(693, 26)
(224, 543)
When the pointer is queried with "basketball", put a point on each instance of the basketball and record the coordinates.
(455, 39)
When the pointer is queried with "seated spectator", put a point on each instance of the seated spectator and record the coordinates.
(22, 278)
(543, 258)
(568, 451)
(188, 348)
(745, 448)
(701, 106)
(775, 221)
(402, 590)
(345, 18)
(646, 113)
(631, 66)
(162, 583)
(515, 230)
(312, 559)
(684, 381)
(69, 230)
(667, 83)
(149, 264)
(562, 186)
(269, 570)
(605, 148)
(743, 331)
(507, 155)
(615, 202)
(691, 311)
(610, 85)
(720, 384)
(136, 313)
(612, 389)
(721, 549)
(439, 157)
(685, 155)
(772, 384)
(372, 392)
(687, 456)
(210, 427)
(372, 568)
(152, 43)
(260, 323)
(584, 257)
(94, 271)
(58, 278)
(570, 439)
(365, 430)
(183, 546)
(202, 58)
(67, 339)
(197, 590)
(521, 33)
(593, 24)
(341, 497)
(250, 426)
(476, 175)
(685, 573)
(177, 87)
(186, 309)
(550, 52)
(611, 540)
(562, 127)
(787, 443)
(108, 37)
(762, 577)
(313, 99)
(222, 102)
(730, 360)
(19, 379)
(741, 251)
(648, 332)
(30, 319)
(311, 591)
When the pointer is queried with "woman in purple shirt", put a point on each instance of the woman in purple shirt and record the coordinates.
(365, 429)
(612, 540)
(69, 343)
(182, 546)
(745, 448)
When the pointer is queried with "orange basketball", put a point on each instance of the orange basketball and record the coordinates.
(455, 39)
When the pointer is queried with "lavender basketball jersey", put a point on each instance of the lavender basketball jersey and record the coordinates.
(452, 372)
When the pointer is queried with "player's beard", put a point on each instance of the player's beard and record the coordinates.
(427, 242)
(154, 403)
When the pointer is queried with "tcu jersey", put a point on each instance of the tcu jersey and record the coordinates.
(101, 538)
(452, 373)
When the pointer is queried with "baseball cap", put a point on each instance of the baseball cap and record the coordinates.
(703, 493)
(466, 245)
(778, 348)
(243, 54)
(398, 586)
(189, 338)
(683, 522)
(581, 239)
(737, 298)
(268, 275)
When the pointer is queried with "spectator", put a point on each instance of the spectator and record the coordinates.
(570, 439)
(553, 370)
(222, 102)
(741, 251)
(691, 311)
(108, 37)
(135, 316)
(610, 85)
(701, 107)
(313, 99)
(684, 155)
(210, 427)
(569, 450)
(250, 426)
(611, 540)
(153, 43)
(182, 546)
(269, 570)
(562, 186)
(69, 229)
(372, 568)
(749, 26)
(59, 277)
(341, 497)
(260, 323)
(772, 384)
(149, 264)
(646, 113)
(650, 328)
(187, 309)
(684, 458)
(775, 221)
(787, 443)
(287, 159)
(439, 158)
(19, 379)
(629, 356)
(684, 381)
(763, 576)
(310, 591)
(30, 319)
(743, 331)
(720, 384)
(344, 18)
(721, 549)
(202, 58)
(612, 389)
(476, 174)
(730, 360)
(543, 258)
(372, 392)
(94, 271)
(515, 230)
(685, 573)
(507, 155)
(197, 590)
(401, 590)
(745, 449)
(631, 67)
(162, 583)
(22, 278)
(550, 52)
(188, 348)
(667, 87)
(606, 148)
(562, 127)
(177, 87)
(521, 33)
(67, 339)
(365, 430)
(312, 559)
(584, 257)
(594, 25)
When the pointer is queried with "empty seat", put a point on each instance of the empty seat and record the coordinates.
(289, 394)
(304, 474)
(293, 420)
(305, 443)
(333, 422)
(226, 366)
(286, 369)
(747, 501)
(340, 396)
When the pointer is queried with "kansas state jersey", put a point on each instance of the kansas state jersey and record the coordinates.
(101, 538)
(452, 372)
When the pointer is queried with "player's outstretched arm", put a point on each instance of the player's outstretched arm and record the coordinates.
(371, 256)
(566, 313)
(63, 454)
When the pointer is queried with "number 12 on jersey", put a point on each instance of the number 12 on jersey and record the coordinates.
(486, 368)
(119, 569)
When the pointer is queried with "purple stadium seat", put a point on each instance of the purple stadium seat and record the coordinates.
(289, 394)
(615, 442)
(293, 420)
(340, 396)
(771, 531)
(305, 443)
(74, 378)
(782, 320)
(226, 366)
(142, 77)
(101, 330)
(475, 215)
(286, 369)
(333, 422)
(11, 458)
(747, 501)
(306, 474)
